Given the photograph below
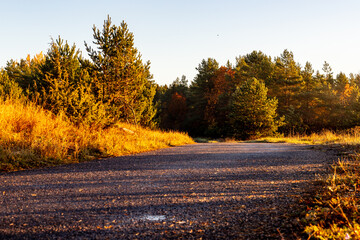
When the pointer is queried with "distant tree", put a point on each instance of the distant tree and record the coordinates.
(287, 84)
(26, 72)
(253, 114)
(355, 79)
(123, 80)
(341, 82)
(215, 113)
(308, 96)
(200, 90)
(172, 104)
(329, 78)
(180, 85)
(255, 65)
(176, 110)
(9, 89)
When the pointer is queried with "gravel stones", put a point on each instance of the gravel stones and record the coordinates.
(208, 191)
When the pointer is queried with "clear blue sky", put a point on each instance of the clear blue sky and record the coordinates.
(176, 35)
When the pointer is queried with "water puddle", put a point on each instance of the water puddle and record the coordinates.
(153, 217)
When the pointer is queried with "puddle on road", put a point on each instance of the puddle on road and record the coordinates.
(153, 217)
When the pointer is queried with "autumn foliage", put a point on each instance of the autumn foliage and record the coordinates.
(306, 100)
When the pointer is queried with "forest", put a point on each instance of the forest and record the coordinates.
(60, 107)
(256, 96)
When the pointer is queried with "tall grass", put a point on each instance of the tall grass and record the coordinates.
(32, 137)
(348, 137)
(335, 212)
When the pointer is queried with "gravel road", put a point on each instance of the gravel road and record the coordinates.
(209, 191)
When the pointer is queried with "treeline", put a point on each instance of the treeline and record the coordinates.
(113, 85)
(258, 96)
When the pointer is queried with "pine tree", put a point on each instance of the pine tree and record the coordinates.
(123, 80)
(256, 65)
(66, 87)
(200, 90)
(26, 72)
(287, 84)
(308, 96)
(9, 89)
(253, 114)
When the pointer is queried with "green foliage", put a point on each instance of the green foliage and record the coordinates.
(253, 114)
(200, 90)
(122, 79)
(255, 65)
(308, 100)
(9, 89)
(114, 85)
(66, 86)
(27, 72)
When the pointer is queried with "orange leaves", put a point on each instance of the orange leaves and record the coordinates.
(177, 105)
(221, 82)
(345, 95)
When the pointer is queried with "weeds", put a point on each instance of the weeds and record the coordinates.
(32, 137)
(333, 213)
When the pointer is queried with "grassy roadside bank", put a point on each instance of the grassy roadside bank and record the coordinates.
(32, 137)
(333, 212)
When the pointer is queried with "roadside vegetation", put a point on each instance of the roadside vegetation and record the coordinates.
(334, 211)
(60, 107)
(33, 137)
(349, 138)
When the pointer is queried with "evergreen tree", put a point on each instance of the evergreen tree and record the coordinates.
(256, 65)
(66, 86)
(9, 89)
(308, 96)
(329, 78)
(200, 90)
(123, 80)
(253, 114)
(287, 84)
(27, 72)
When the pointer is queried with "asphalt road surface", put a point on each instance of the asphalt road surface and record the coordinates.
(201, 191)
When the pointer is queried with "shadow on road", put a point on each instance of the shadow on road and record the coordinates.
(220, 191)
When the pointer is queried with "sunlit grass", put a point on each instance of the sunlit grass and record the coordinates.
(32, 137)
(350, 137)
(334, 212)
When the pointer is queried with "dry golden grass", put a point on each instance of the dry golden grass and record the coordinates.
(334, 212)
(351, 137)
(32, 137)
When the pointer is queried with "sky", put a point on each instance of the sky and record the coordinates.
(175, 35)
